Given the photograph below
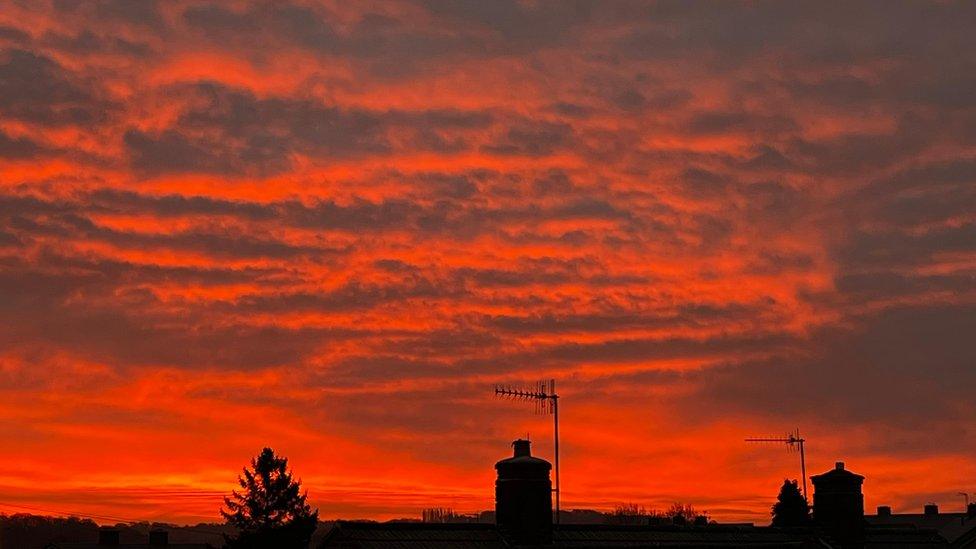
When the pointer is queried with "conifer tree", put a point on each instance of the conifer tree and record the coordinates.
(791, 508)
(271, 511)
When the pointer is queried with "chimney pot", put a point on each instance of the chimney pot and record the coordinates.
(839, 466)
(884, 510)
(971, 510)
(931, 509)
(522, 448)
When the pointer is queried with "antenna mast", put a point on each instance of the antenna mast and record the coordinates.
(546, 402)
(794, 442)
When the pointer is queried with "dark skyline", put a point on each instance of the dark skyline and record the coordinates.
(706, 220)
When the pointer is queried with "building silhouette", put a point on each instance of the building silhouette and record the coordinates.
(523, 518)
(959, 529)
(838, 504)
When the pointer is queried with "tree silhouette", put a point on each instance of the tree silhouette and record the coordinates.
(440, 515)
(684, 513)
(629, 513)
(791, 508)
(271, 511)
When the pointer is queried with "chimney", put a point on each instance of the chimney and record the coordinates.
(158, 537)
(523, 497)
(108, 536)
(838, 504)
(971, 510)
(931, 509)
(884, 510)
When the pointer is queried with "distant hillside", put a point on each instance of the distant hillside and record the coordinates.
(25, 531)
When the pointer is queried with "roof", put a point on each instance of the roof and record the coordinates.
(967, 540)
(633, 536)
(951, 526)
(363, 535)
(95, 545)
(838, 473)
(392, 535)
(412, 535)
(903, 538)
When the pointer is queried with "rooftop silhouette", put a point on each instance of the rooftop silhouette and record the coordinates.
(524, 518)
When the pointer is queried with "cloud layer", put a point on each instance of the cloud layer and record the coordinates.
(332, 227)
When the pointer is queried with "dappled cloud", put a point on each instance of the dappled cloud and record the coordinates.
(331, 227)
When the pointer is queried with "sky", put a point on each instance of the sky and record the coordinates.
(331, 228)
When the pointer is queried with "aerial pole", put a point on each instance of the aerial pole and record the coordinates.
(794, 442)
(546, 402)
(555, 435)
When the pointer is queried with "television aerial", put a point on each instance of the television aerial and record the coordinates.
(546, 403)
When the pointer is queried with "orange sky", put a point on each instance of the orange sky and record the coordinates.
(330, 228)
